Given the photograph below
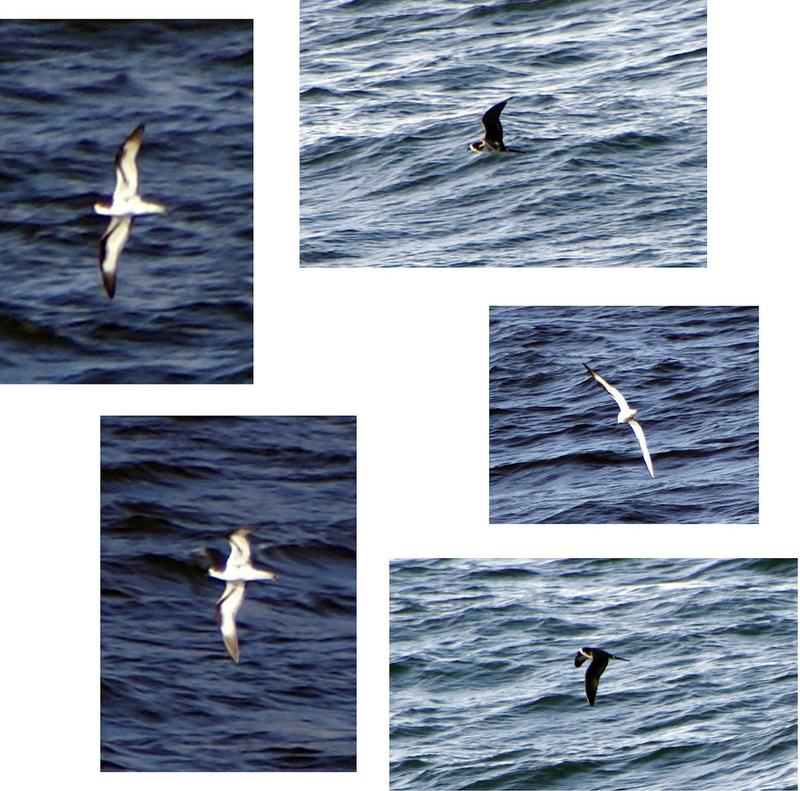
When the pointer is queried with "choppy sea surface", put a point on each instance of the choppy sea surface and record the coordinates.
(557, 453)
(171, 697)
(72, 92)
(485, 695)
(607, 100)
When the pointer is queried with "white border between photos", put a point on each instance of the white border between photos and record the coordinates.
(407, 352)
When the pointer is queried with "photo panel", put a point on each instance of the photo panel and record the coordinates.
(128, 177)
(228, 598)
(565, 384)
(593, 673)
(456, 134)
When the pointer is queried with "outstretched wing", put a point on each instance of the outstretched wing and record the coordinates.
(111, 244)
(240, 547)
(227, 606)
(612, 391)
(637, 429)
(492, 127)
(593, 677)
(127, 172)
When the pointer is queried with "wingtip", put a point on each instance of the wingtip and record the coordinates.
(232, 644)
(110, 283)
(241, 531)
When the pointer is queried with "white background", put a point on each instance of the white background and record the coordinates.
(407, 352)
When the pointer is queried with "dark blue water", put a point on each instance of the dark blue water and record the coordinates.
(607, 99)
(171, 697)
(485, 695)
(72, 92)
(557, 453)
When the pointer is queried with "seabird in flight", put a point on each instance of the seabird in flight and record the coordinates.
(625, 415)
(492, 132)
(125, 204)
(595, 670)
(237, 571)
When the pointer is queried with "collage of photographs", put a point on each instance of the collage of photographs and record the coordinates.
(345, 340)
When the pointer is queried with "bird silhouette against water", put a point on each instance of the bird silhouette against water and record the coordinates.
(595, 670)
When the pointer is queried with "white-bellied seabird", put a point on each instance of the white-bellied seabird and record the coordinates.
(125, 204)
(492, 132)
(237, 571)
(595, 670)
(625, 415)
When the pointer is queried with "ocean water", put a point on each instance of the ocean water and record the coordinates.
(72, 92)
(485, 695)
(557, 453)
(606, 99)
(171, 697)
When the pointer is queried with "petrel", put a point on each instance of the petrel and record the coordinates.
(595, 670)
(492, 132)
(125, 204)
(625, 415)
(237, 571)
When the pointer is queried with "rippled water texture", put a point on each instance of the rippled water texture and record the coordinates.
(557, 453)
(72, 92)
(485, 694)
(606, 99)
(171, 697)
